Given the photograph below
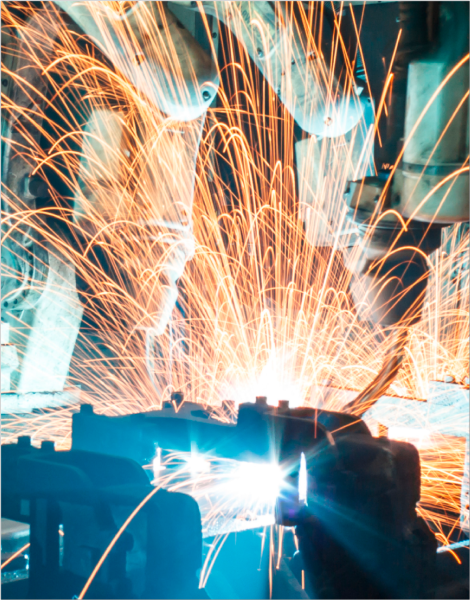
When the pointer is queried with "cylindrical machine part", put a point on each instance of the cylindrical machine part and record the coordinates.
(412, 17)
(182, 88)
(292, 64)
(436, 126)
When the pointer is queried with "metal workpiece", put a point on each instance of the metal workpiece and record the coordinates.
(148, 31)
(15, 543)
(336, 476)
(360, 519)
(258, 429)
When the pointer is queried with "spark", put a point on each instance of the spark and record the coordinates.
(14, 555)
(264, 306)
(455, 546)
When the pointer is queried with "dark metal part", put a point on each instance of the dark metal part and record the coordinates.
(413, 19)
(359, 519)
(88, 496)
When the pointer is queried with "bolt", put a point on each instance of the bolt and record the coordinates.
(177, 397)
(261, 400)
(86, 409)
(283, 405)
(292, 62)
(328, 121)
(4, 82)
(214, 35)
(206, 95)
(47, 446)
(35, 187)
(449, 379)
(24, 441)
(259, 52)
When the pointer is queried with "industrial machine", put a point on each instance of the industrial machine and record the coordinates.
(351, 498)
(102, 522)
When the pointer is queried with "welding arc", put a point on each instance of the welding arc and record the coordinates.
(380, 384)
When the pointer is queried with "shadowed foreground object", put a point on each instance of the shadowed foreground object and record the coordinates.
(351, 498)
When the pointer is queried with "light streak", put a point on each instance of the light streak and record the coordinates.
(303, 479)
(207, 567)
(114, 540)
(15, 555)
(276, 320)
(455, 546)
(157, 464)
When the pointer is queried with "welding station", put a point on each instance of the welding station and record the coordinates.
(235, 299)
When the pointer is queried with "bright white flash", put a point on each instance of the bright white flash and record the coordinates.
(303, 480)
(261, 483)
(157, 464)
(197, 464)
(421, 438)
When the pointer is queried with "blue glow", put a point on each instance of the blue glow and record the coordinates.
(197, 464)
(303, 480)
